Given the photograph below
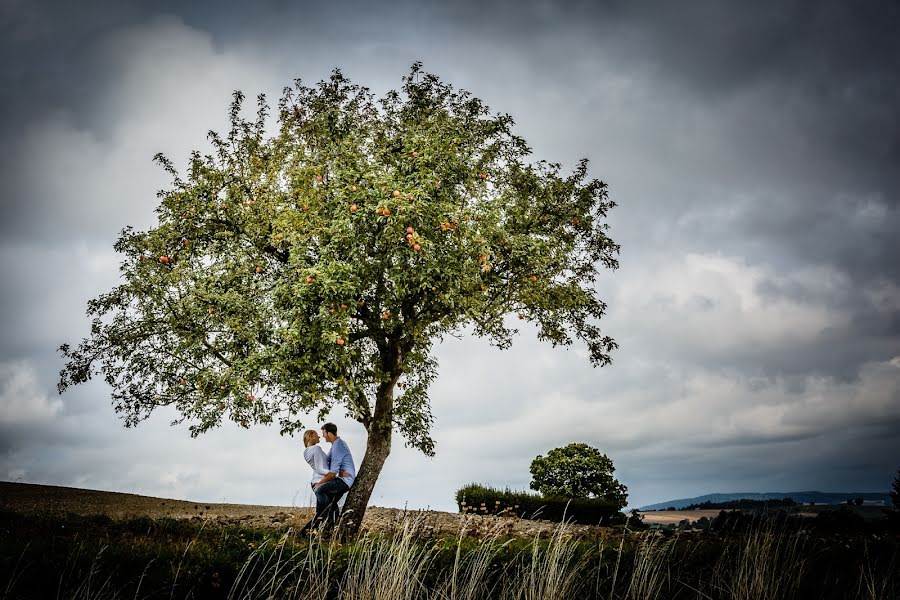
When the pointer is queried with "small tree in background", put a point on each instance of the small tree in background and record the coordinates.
(636, 519)
(577, 471)
(895, 490)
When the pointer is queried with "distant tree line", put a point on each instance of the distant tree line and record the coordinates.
(746, 504)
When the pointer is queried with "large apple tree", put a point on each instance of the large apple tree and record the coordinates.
(317, 265)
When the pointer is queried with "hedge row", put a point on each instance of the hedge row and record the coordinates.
(484, 500)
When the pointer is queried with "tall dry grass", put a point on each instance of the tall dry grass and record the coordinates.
(768, 565)
(270, 572)
(92, 586)
(765, 563)
(469, 578)
(548, 572)
(871, 586)
(382, 568)
(649, 575)
(389, 568)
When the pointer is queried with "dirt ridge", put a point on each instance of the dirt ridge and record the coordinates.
(30, 498)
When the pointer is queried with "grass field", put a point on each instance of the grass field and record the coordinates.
(46, 552)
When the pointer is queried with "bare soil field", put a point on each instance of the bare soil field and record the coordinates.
(674, 517)
(27, 497)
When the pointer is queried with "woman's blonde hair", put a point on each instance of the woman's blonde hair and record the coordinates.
(308, 436)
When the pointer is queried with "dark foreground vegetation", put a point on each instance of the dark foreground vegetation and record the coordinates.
(68, 556)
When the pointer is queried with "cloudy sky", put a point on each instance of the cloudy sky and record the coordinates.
(753, 149)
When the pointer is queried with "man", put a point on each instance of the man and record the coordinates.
(337, 482)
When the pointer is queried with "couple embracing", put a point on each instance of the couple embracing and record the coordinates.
(332, 475)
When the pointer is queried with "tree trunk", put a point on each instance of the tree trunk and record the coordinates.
(378, 447)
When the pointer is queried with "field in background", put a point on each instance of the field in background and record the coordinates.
(674, 517)
(26, 497)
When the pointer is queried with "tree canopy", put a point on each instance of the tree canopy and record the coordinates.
(318, 265)
(577, 471)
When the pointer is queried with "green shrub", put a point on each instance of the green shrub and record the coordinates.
(484, 500)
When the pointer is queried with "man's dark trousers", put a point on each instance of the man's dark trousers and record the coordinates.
(327, 496)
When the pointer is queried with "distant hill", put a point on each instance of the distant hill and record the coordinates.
(799, 497)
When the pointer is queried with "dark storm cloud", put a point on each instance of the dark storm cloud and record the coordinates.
(43, 62)
(829, 72)
(801, 97)
(62, 54)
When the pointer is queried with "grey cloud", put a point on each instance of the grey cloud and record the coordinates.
(45, 307)
(858, 233)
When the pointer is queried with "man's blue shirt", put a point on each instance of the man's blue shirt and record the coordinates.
(340, 459)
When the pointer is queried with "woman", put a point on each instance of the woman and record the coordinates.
(315, 456)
